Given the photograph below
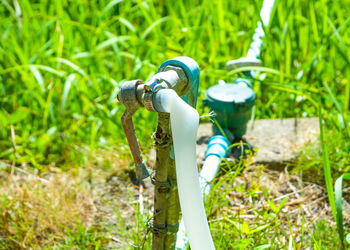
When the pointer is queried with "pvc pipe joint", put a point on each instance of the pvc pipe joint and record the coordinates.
(218, 145)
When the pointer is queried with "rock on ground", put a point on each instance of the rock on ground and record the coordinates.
(276, 140)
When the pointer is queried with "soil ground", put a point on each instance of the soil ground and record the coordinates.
(109, 198)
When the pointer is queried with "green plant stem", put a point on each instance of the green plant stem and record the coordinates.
(339, 205)
(327, 168)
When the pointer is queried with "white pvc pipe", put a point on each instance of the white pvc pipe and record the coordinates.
(265, 14)
(184, 124)
(210, 168)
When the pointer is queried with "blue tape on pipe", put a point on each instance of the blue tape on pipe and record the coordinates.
(218, 145)
(191, 69)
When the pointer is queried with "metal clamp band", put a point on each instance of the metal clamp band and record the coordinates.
(147, 101)
(163, 228)
(162, 142)
(158, 228)
(161, 184)
(172, 228)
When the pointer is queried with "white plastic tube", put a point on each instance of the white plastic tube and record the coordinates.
(210, 168)
(265, 14)
(184, 124)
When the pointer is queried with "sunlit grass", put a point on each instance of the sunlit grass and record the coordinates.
(63, 65)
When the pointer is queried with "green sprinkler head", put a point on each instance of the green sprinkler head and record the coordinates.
(232, 104)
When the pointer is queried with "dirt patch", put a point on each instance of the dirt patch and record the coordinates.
(277, 141)
(304, 198)
(34, 210)
(107, 196)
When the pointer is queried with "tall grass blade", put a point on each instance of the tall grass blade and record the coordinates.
(347, 92)
(338, 192)
(48, 69)
(72, 65)
(152, 26)
(327, 167)
(38, 77)
(337, 105)
(111, 42)
(127, 24)
(110, 5)
(67, 87)
(20, 114)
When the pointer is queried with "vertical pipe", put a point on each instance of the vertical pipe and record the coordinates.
(184, 125)
(173, 213)
(163, 145)
(265, 14)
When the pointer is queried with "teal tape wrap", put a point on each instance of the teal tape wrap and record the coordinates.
(191, 69)
(218, 145)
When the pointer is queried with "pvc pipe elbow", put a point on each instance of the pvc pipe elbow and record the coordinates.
(162, 100)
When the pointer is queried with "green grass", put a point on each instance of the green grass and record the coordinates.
(62, 63)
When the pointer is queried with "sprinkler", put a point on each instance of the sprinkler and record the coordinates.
(232, 104)
(175, 174)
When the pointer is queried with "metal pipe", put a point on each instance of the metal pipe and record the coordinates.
(173, 212)
(184, 125)
(182, 75)
(163, 142)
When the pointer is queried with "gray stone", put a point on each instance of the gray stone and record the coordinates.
(276, 141)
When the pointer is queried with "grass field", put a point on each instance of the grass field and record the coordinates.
(61, 66)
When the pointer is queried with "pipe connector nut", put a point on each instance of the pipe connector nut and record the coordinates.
(128, 95)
